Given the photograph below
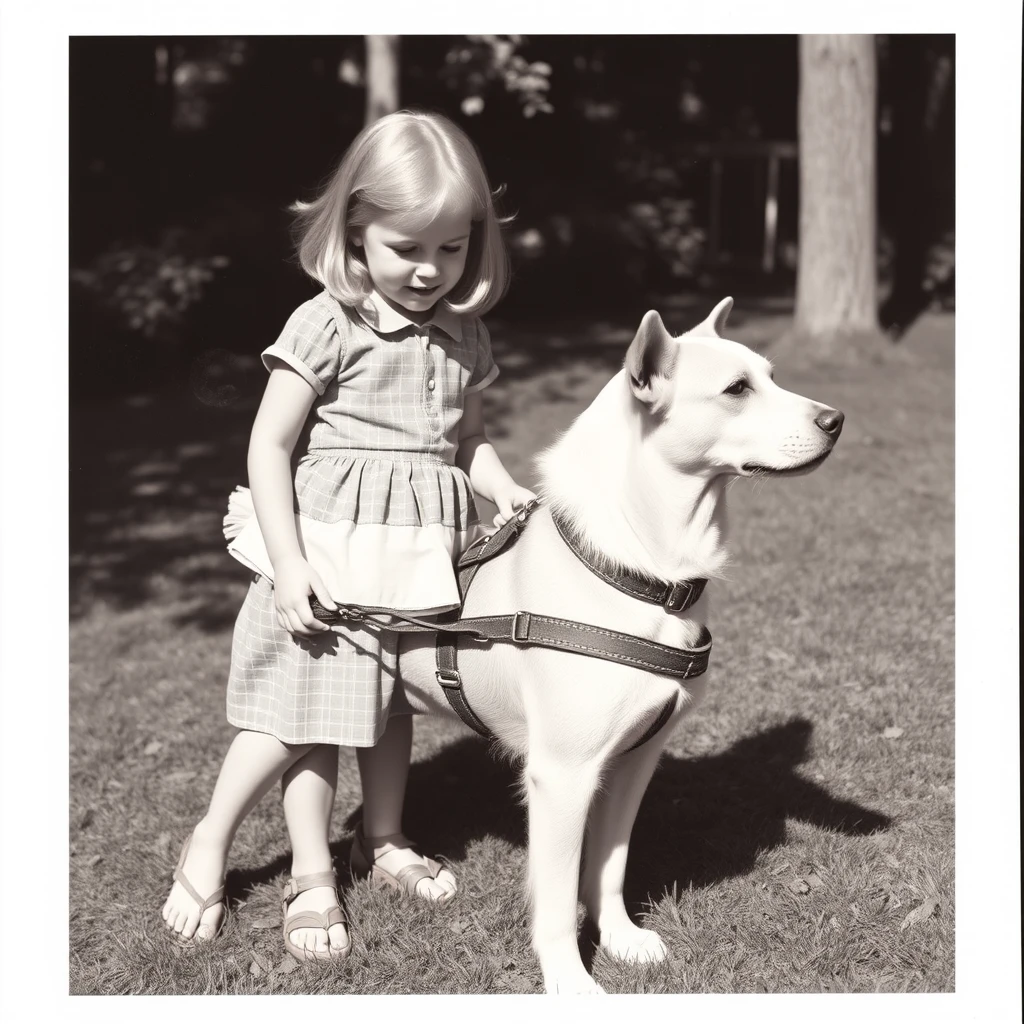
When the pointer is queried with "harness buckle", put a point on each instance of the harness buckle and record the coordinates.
(521, 627)
(679, 595)
(348, 611)
(449, 678)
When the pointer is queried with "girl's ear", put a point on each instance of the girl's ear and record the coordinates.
(356, 237)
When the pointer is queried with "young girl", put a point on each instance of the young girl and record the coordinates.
(377, 383)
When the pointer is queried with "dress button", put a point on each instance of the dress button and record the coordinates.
(430, 383)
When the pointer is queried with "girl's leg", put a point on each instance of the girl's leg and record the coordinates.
(384, 770)
(254, 762)
(308, 788)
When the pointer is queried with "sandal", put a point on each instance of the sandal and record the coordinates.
(406, 879)
(312, 918)
(215, 897)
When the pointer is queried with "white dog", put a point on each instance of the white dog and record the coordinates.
(641, 475)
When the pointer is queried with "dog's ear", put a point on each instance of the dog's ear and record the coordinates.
(713, 326)
(651, 356)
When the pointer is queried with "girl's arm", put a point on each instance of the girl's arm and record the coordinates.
(282, 413)
(478, 459)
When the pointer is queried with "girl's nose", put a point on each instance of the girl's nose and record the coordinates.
(428, 271)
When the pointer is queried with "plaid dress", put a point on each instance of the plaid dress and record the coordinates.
(381, 512)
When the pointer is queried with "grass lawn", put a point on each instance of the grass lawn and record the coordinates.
(792, 831)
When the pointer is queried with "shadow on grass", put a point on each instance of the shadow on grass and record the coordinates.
(703, 819)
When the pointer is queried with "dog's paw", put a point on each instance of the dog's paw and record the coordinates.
(564, 974)
(636, 945)
(577, 984)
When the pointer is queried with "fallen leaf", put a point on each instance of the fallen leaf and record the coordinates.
(287, 965)
(154, 747)
(921, 913)
(458, 927)
(892, 732)
(93, 861)
(780, 868)
(264, 922)
(260, 964)
(813, 880)
(799, 886)
(834, 922)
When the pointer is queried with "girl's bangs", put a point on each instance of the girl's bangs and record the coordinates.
(448, 194)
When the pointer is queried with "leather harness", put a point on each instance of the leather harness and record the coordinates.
(529, 628)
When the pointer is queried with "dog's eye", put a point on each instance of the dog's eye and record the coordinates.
(737, 387)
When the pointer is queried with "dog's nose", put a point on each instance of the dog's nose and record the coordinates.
(831, 421)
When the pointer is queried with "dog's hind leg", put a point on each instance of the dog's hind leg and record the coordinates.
(611, 822)
(559, 795)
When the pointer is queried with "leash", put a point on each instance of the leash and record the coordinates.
(531, 629)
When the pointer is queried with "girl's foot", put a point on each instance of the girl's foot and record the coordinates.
(202, 865)
(394, 861)
(315, 926)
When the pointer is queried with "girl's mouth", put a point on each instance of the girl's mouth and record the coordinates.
(424, 291)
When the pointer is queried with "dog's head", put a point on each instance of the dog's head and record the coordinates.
(711, 406)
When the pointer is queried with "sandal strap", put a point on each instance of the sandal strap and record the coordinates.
(412, 874)
(369, 843)
(303, 882)
(217, 896)
(315, 919)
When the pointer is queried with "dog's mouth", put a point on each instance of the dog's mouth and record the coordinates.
(756, 468)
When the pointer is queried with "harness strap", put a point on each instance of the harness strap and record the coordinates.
(528, 628)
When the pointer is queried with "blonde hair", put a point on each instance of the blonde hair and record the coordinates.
(417, 165)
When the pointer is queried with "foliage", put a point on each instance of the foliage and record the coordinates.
(150, 288)
(476, 65)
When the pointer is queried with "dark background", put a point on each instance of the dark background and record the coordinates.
(185, 153)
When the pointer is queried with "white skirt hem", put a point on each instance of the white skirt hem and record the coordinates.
(407, 568)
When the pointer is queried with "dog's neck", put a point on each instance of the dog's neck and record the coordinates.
(626, 502)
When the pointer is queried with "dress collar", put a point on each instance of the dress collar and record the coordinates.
(385, 319)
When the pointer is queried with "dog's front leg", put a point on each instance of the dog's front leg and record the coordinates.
(611, 822)
(559, 796)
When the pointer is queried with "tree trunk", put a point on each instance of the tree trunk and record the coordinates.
(920, 87)
(836, 291)
(381, 76)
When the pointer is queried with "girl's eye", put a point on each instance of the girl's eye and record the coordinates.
(737, 387)
(401, 252)
(452, 248)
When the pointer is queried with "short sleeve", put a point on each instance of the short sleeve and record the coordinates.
(310, 345)
(485, 369)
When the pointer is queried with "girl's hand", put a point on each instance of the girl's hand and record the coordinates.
(294, 580)
(508, 500)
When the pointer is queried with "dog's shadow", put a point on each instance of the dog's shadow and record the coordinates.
(702, 820)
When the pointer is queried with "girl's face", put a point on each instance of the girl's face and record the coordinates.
(412, 270)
